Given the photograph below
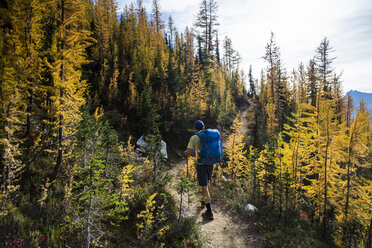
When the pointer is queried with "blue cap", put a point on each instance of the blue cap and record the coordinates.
(199, 125)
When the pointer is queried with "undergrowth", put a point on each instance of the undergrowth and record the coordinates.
(292, 231)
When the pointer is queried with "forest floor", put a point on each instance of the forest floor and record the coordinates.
(226, 230)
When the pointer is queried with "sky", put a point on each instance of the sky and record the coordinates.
(298, 25)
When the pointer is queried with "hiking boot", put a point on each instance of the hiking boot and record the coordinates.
(207, 215)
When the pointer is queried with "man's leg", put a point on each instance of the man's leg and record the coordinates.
(207, 198)
(204, 176)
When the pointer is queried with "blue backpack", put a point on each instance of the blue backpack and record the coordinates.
(211, 147)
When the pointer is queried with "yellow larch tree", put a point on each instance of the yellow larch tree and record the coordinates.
(69, 43)
(192, 103)
(237, 162)
(296, 154)
(322, 168)
(20, 77)
(152, 221)
(105, 50)
(354, 203)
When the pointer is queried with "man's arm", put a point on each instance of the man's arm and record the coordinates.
(188, 152)
(190, 146)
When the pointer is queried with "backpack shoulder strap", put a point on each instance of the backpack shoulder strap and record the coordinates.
(201, 133)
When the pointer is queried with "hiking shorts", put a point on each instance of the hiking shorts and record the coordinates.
(204, 173)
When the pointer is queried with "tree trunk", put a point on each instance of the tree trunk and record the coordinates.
(274, 182)
(348, 167)
(155, 165)
(85, 153)
(6, 171)
(348, 184)
(88, 222)
(280, 187)
(295, 169)
(324, 232)
(89, 210)
(254, 182)
(265, 185)
(232, 156)
(60, 123)
(369, 235)
(106, 160)
(60, 148)
(29, 112)
(286, 204)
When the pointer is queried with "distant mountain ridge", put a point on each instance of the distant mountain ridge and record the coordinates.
(358, 96)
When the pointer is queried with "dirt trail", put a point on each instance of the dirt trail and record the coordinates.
(223, 231)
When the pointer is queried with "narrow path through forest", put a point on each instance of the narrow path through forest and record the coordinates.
(224, 230)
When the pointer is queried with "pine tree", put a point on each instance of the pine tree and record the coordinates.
(252, 156)
(300, 78)
(86, 129)
(109, 141)
(272, 56)
(189, 51)
(228, 54)
(174, 78)
(92, 203)
(324, 67)
(276, 89)
(282, 97)
(272, 124)
(349, 110)
(312, 79)
(338, 96)
(206, 21)
(282, 179)
(156, 15)
(172, 30)
(260, 126)
(218, 57)
(266, 169)
(252, 88)
(148, 111)
(104, 69)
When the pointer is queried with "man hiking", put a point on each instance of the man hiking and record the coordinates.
(207, 145)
